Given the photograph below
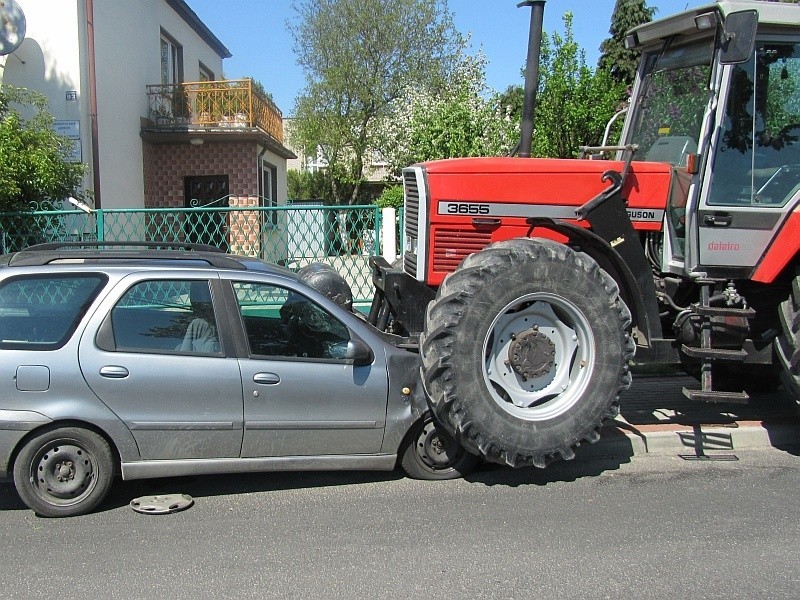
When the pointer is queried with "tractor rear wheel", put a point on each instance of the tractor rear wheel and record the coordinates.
(787, 344)
(525, 351)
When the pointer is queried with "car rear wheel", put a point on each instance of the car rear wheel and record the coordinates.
(64, 471)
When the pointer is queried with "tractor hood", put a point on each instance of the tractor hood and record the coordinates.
(543, 181)
(456, 207)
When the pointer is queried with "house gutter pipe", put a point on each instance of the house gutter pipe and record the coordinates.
(93, 102)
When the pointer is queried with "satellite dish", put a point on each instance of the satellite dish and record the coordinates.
(12, 26)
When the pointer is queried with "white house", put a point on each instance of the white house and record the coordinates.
(136, 84)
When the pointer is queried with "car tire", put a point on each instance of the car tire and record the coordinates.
(432, 453)
(64, 471)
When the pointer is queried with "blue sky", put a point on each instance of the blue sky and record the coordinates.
(255, 33)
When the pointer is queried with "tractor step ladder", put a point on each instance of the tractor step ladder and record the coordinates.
(707, 354)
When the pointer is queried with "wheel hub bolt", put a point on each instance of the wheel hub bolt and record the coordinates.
(65, 471)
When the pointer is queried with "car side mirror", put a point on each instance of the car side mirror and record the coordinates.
(359, 353)
(739, 37)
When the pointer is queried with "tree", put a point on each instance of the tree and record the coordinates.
(458, 118)
(511, 101)
(358, 57)
(573, 103)
(615, 58)
(34, 163)
(307, 185)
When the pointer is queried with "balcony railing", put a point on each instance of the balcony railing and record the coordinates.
(233, 103)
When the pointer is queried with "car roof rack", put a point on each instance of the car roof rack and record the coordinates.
(97, 251)
(152, 245)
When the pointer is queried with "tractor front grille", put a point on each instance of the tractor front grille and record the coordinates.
(451, 246)
(411, 217)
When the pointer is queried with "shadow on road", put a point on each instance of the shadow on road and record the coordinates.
(559, 471)
(122, 492)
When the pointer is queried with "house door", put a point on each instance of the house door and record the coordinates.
(207, 225)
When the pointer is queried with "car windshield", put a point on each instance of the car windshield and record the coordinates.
(669, 111)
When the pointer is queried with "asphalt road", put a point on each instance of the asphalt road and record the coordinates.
(649, 527)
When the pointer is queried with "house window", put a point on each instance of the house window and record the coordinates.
(206, 74)
(269, 190)
(171, 60)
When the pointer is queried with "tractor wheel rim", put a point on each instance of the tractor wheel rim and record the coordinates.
(539, 355)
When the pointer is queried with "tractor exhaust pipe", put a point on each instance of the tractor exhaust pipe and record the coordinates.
(531, 75)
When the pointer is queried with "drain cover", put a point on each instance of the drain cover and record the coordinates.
(161, 505)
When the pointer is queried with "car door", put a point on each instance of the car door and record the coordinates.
(157, 361)
(302, 396)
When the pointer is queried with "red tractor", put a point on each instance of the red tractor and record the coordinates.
(532, 284)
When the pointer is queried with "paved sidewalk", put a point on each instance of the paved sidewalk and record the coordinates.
(655, 417)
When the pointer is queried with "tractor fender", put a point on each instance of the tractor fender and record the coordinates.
(782, 252)
(637, 292)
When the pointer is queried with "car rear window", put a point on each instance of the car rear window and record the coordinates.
(42, 312)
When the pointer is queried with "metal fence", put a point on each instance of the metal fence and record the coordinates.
(293, 236)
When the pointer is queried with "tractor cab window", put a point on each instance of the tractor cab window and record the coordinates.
(757, 161)
(672, 99)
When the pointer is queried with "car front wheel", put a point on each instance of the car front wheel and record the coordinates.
(432, 453)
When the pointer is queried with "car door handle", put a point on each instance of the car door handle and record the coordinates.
(717, 220)
(114, 372)
(266, 378)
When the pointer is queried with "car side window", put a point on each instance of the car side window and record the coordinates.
(42, 312)
(280, 322)
(166, 316)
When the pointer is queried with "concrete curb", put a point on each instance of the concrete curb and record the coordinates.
(623, 441)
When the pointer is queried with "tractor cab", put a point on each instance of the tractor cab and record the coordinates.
(718, 97)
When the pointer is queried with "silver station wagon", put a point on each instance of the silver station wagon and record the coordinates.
(145, 360)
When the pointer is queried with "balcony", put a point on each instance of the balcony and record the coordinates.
(214, 106)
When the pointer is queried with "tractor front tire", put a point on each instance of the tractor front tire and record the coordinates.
(525, 351)
(787, 344)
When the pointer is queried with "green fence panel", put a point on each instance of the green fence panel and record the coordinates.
(294, 236)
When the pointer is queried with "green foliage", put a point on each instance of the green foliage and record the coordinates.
(391, 197)
(320, 185)
(34, 163)
(307, 185)
(673, 104)
(574, 103)
(451, 120)
(783, 101)
(358, 57)
(615, 58)
(259, 88)
(511, 102)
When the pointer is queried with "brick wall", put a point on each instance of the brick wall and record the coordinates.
(166, 166)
